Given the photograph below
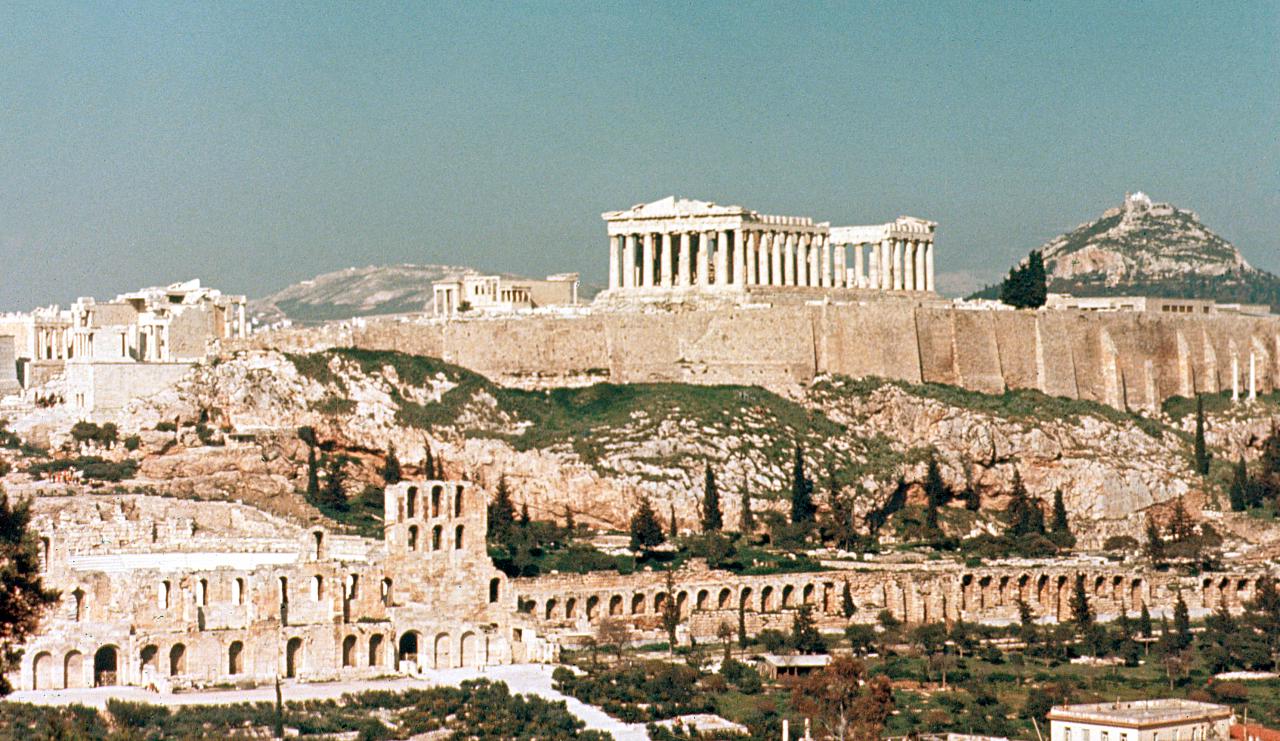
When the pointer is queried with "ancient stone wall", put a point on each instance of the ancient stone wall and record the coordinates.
(1124, 359)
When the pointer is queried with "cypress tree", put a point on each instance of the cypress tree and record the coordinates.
(802, 509)
(846, 601)
(972, 500)
(1239, 492)
(524, 514)
(711, 517)
(935, 489)
(391, 473)
(747, 521)
(313, 474)
(675, 532)
(334, 494)
(1061, 527)
(1144, 621)
(1181, 527)
(1081, 614)
(429, 461)
(1155, 542)
(1201, 451)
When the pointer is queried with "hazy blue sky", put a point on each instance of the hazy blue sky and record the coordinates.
(253, 145)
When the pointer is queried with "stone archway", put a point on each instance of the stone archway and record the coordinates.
(442, 653)
(42, 671)
(177, 660)
(235, 658)
(410, 645)
(73, 670)
(469, 650)
(349, 652)
(106, 667)
(375, 649)
(293, 658)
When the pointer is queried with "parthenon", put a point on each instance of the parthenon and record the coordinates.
(686, 245)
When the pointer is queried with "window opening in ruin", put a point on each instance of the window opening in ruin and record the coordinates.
(284, 590)
(413, 501)
(457, 503)
(237, 592)
(235, 663)
(177, 660)
(105, 666)
(317, 588)
(436, 533)
(457, 538)
(78, 607)
(494, 587)
(435, 501)
(44, 554)
(353, 586)
(375, 649)
(413, 537)
(386, 591)
(202, 592)
(319, 543)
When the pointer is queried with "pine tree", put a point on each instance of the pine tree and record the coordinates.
(1181, 624)
(1026, 517)
(805, 637)
(24, 597)
(1026, 287)
(1201, 451)
(847, 607)
(334, 495)
(972, 500)
(802, 508)
(1081, 614)
(1239, 492)
(1181, 527)
(711, 517)
(524, 515)
(502, 512)
(646, 531)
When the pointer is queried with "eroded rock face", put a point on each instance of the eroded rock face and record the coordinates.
(1110, 470)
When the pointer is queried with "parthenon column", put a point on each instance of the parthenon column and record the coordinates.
(750, 257)
(704, 259)
(776, 241)
(826, 261)
(921, 282)
(886, 251)
(646, 273)
(928, 266)
(873, 271)
(683, 263)
(789, 260)
(802, 260)
(908, 265)
(664, 262)
(899, 247)
(739, 263)
(722, 258)
(858, 280)
(840, 273)
(629, 260)
(615, 277)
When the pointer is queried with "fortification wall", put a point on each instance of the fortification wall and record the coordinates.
(1125, 359)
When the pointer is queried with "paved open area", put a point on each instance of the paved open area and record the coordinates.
(528, 679)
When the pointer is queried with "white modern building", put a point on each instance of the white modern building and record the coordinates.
(1166, 719)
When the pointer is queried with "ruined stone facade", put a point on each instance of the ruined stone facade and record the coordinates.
(163, 593)
(169, 594)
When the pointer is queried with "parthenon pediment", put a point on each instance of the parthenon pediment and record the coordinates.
(670, 207)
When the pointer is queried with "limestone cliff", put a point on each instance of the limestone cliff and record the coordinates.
(597, 450)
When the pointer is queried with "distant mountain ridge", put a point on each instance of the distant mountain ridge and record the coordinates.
(375, 290)
(1152, 249)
